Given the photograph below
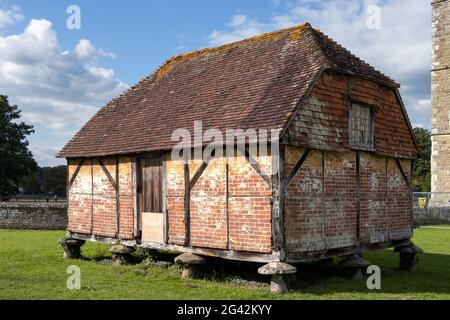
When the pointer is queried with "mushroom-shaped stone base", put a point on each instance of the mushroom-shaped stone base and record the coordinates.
(191, 265)
(354, 266)
(408, 256)
(121, 254)
(72, 248)
(279, 272)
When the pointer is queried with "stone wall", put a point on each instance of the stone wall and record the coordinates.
(33, 215)
(440, 163)
(435, 208)
(432, 215)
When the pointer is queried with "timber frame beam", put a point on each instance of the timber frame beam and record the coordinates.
(358, 197)
(278, 191)
(187, 205)
(108, 174)
(189, 184)
(297, 168)
(75, 174)
(115, 185)
(256, 166)
(280, 185)
(400, 168)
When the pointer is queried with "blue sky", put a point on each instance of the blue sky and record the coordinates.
(142, 34)
(60, 77)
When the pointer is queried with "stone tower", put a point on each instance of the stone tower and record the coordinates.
(440, 163)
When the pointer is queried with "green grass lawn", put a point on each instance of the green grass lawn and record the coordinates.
(31, 267)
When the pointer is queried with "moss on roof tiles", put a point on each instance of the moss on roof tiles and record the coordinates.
(294, 33)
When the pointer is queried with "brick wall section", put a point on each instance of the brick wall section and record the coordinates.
(339, 199)
(374, 215)
(321, 205)
(80, 198)
(322, 122)
(249, 205)
(104, 200)
(126, 198)
(399, 201)
(34, 216)
(303, 203)
(208, 206)
(92, 199)
(175, 201)
(440, 162)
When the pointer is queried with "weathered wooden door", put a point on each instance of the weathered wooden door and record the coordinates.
(152, 200)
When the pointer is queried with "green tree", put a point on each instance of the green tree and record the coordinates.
(32, 183)
(422, 166)
(16, 161)
(54, 181)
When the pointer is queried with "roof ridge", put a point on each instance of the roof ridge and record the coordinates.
(350, 53)
(315, 35)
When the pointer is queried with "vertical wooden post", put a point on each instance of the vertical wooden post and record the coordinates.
(358, 198)
(282, 192)
(68, 192)
(278, 186)
(323, 199)
(227, 198)
(135, 197)
(387, 201)
(92, 197)
(139, 196)
(117, 200)
(187, 205)
(164, 204)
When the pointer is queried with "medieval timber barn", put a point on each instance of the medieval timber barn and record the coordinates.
(345, 156)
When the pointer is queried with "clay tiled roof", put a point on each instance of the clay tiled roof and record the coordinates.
(254, 83)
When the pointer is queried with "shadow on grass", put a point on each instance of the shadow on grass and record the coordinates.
(432, 275)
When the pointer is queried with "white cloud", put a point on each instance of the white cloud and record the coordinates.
(401, 48)
(85, 49)
(57, 90)
(10, 16)
(238, 20)
(241, 28)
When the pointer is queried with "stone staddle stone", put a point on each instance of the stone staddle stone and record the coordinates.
(412, 249)
(278, 271)
(121, 249)
(408, 256)
(74, 242)
(354, 266)
(354, 261)
(71, 248)
(187, 259)
(274, 268)
(190, 263)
